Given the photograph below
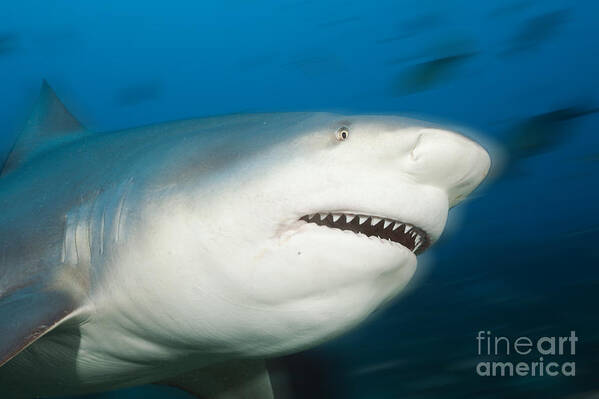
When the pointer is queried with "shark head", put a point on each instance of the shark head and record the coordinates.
(264, 234)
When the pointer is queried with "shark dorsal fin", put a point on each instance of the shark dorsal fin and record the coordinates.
(49, 122)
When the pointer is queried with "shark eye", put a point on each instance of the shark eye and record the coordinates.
(342, 133)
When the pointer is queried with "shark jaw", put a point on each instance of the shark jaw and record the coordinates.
(413, 238)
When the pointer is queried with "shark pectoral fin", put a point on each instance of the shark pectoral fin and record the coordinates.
(240, 379)
(27, 314)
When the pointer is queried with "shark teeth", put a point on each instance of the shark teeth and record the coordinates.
(411, 237)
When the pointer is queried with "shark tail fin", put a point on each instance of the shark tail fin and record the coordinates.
(49, 121)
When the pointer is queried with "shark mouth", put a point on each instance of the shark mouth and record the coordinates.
(411, 237)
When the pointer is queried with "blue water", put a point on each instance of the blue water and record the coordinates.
(520, 258)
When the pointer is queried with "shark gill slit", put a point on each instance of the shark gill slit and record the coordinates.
(101, 234)
(90, 227)
(69, 255)
(63, 255)
(96, 226)
(82, 249)
(121, 208)
(75, 242)
(119, 212)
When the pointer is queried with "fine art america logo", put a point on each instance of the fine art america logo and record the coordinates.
(525, 356)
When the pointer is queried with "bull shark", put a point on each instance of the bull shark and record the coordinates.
(185, 253)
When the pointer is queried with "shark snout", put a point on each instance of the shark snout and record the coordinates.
(449, 161)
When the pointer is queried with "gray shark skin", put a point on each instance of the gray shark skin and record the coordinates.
(186, 252)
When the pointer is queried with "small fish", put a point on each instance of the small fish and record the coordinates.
(8, 43)
(542, 132)
(537, 30)
(428, 74)
(139, 93)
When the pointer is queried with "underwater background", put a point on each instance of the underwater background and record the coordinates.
(519, 258)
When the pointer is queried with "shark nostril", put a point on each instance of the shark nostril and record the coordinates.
(447, 160)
